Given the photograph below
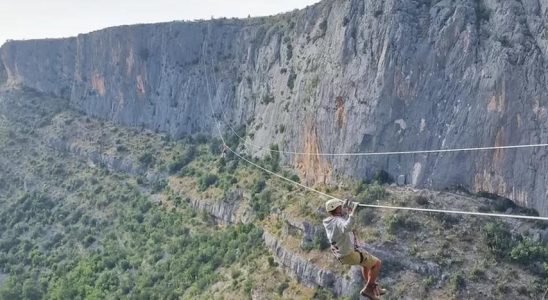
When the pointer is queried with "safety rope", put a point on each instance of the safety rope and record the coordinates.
(218, 125)
(261, 148)
(389, 207)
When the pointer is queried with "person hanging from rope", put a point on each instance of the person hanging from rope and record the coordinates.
(345, 248)
(224, 150)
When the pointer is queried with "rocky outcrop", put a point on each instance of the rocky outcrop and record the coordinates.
(226, 210)
(305, 230)
(310, 274)
(111, 162)
(339, 76)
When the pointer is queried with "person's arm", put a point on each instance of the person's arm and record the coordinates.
(348, 224)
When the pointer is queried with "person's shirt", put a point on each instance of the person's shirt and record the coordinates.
(338, 232)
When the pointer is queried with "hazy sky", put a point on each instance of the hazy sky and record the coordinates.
(30, 19)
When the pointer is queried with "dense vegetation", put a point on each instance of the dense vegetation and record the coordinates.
(62, 251)
(73, 230)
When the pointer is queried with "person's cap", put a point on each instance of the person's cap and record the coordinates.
(332, 204)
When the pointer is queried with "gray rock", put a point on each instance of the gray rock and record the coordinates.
(223, 211)
(340, 76)
(537, 237)
(310, 274)
(3, 74)
(401, 180)
(545, 236)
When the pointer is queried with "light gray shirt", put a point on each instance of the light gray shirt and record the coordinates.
(338, 232)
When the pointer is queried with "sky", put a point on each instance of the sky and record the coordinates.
(31, 19)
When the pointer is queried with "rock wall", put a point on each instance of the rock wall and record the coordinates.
(45, 65)
(227, 211)
(310, 274)
(3, 74)
(339, 76)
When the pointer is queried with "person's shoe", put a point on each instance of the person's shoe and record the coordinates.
(378, 290)
(370, 293)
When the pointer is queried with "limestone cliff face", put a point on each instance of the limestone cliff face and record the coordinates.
(339, 76)
(45, 65)
(3, 74)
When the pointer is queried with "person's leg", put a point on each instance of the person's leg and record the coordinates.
(371, 270)
(374, 273)
(356, 259)
(366, 275)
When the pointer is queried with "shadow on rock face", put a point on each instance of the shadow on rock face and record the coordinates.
(3, 74)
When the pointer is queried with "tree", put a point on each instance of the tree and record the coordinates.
(31, 290)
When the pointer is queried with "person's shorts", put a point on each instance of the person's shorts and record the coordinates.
(361, 258)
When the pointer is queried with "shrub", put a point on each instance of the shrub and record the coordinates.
(323, 25)
(121, 148)
(498, 238)
(378, 13)
(370, 193)
(200, 139)
(447, 220)
(267, 99)
(231, 166)
(295, 178)
(206, 181)
(322, 294)
(396, 222)
(273, 159)
(477, 273)
(271, 262)
(383, 177)
(235, 274)
(366, 216)
(457, 281)
(261, 203)
(146, 159)
(258, 186)
(429, 281)
(291, 79)
(215, 146)
(360, 187)
(320, 240)
(89, 240)
(184, 159)
(289, 51)
(282, 287)
(527, 251)
(159, 185)
(421, 200)
(346, 20)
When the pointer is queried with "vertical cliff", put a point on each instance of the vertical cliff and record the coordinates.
(45, 65)
(339, 76)
(3, 74)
